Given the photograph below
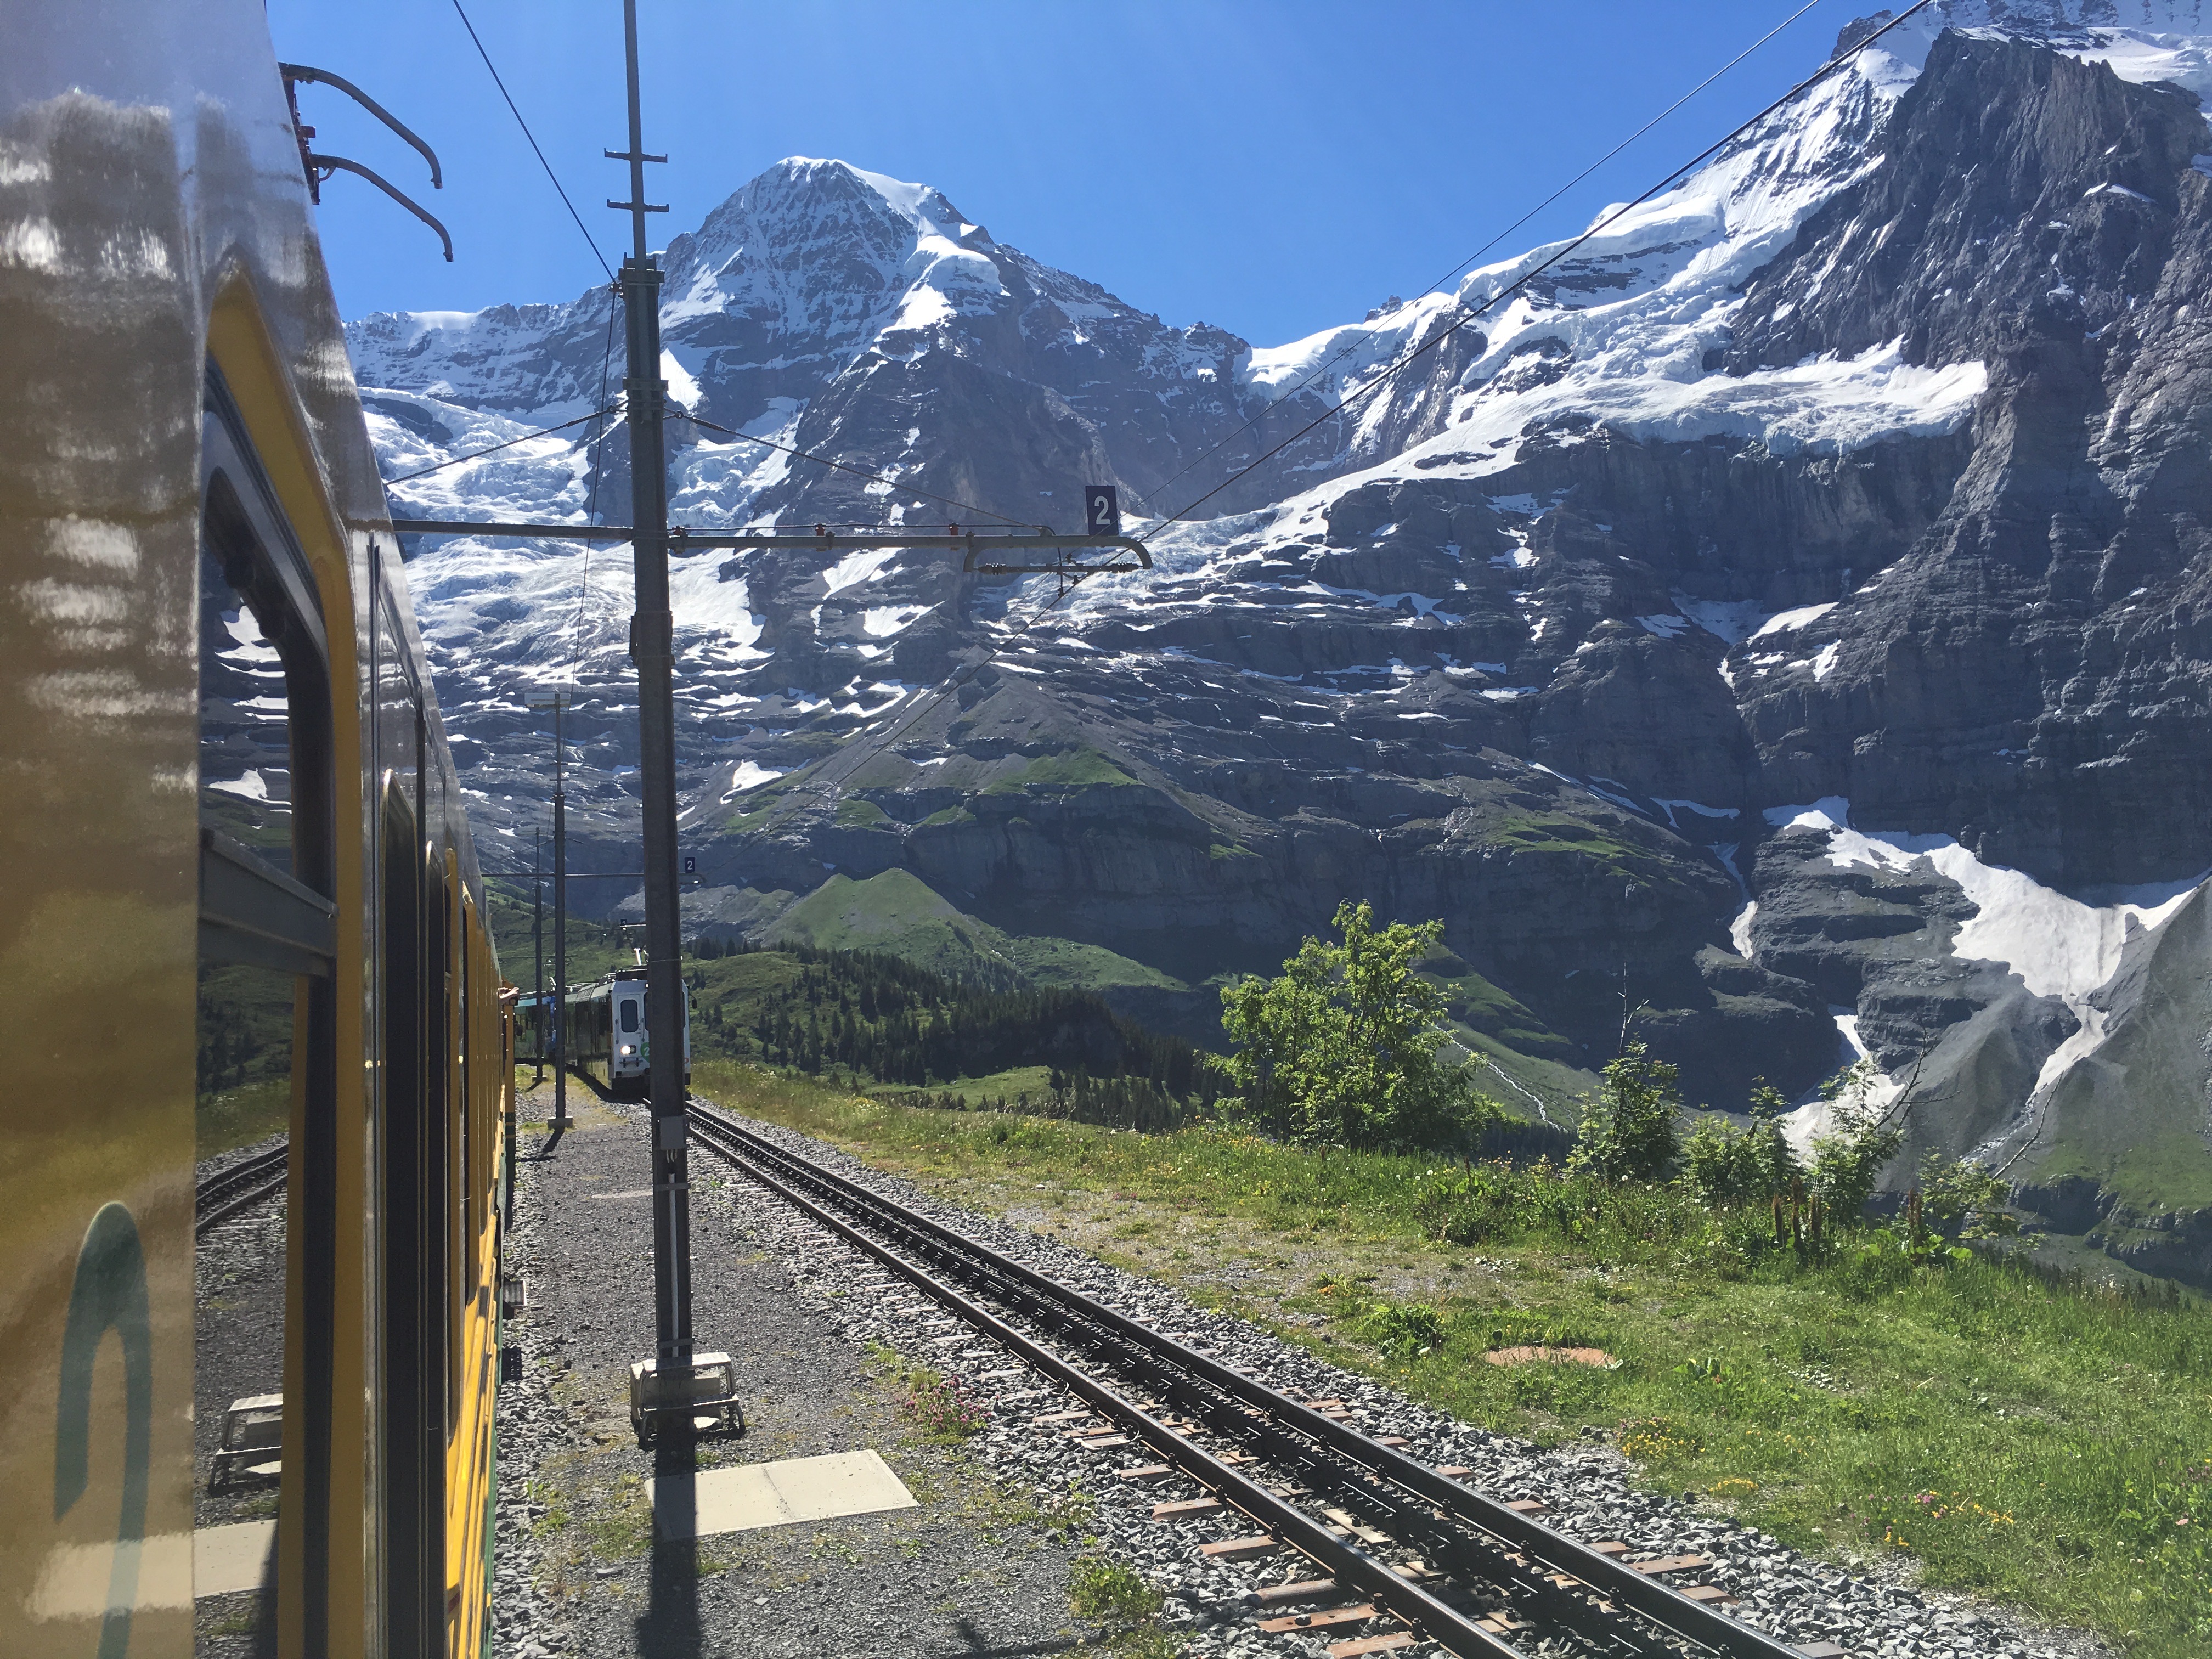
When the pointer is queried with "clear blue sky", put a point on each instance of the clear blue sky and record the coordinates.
(1272, 167)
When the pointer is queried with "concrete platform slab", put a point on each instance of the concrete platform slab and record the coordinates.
(777, 1494)
(228, 1559)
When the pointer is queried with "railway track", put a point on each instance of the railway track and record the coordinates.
(231, 1192)
(1403, 1553)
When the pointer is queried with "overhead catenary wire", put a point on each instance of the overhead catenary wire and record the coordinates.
(1358, 339)
(591, 241)
(1528, 277)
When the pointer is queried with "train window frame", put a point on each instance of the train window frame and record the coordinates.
(249, 912)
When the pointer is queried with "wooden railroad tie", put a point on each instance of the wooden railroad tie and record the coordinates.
(1239, 1549)
(1306, 1590)
(1711, 1595)
(1396, 1638)
(1357, 1527)
(1100, 1443)
(1327, 1620)
(1146, 1472)
(1187, 1506)
(1665, 1563)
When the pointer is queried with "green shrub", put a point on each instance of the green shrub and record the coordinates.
(1109, 1592)
(1629, 1131)
(1404, 1328)
(1725, 1165)
(1465, 1206)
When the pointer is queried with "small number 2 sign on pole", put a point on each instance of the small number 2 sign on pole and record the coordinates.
(1102, 511)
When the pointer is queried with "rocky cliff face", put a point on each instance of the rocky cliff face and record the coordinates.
(1780, 628)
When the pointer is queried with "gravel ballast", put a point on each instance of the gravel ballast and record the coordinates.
(978, 1567)
(237, 1350)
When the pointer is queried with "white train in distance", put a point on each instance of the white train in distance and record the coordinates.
(607, 1037)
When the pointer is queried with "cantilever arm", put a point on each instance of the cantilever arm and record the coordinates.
(322, 77)
(340, 163)
(986, 555)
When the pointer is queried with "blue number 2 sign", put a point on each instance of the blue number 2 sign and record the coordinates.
(1102, 510)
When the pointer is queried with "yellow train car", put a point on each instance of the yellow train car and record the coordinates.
(236, 869)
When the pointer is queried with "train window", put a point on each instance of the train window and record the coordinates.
(266, 1038)
(629, 1014)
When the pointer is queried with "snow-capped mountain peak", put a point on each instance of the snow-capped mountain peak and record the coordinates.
(2140, 41)
(825, 252)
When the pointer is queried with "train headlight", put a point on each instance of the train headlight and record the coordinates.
(629, 1048)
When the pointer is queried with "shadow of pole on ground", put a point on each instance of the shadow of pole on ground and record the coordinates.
(670, 1628)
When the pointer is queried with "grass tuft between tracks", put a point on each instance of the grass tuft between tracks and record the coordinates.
(2047, 1444)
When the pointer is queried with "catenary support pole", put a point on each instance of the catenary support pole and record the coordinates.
(539, 1024)
(561, 1123)
(652, 643)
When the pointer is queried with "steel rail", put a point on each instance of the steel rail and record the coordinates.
(229, 1191)
(1351, 1567)
(1614, 1580)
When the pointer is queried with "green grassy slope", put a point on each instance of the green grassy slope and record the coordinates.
(2041, 1443)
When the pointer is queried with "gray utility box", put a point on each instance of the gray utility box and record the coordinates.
(252, 1438)
(706, 1392)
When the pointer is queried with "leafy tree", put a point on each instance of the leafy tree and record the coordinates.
(1629, 1130)
(1849, 1160)
(1342, 1049)
(1958, 1198)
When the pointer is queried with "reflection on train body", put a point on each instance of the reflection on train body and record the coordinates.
(242, 899)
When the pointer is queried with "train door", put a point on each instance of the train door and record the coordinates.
(412, 1259)
(630, 1046)
(264, 1350)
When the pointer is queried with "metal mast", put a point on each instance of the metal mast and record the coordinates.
(553, 1017)
(651, 644)
(559, 923)
(538, 943)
